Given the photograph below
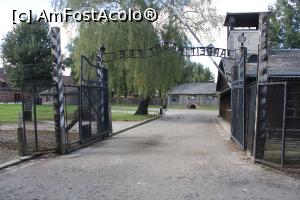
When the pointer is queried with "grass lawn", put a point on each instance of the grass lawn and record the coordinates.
(10, 113)
(128, 107)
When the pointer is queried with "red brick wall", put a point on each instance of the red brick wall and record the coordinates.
(9, 96)
(6, 96)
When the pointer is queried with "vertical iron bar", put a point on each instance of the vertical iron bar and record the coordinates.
(65, 103)
(100, 76)
(283, 128)
(90, 113)
(34, 118)
(66, 114)
(24, 124)
(256, 109)
(244, 53)
(80, 102)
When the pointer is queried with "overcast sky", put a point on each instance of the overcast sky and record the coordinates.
(223, 6)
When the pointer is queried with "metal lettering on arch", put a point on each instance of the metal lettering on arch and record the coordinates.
(170, 47)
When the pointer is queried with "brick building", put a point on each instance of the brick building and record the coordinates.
(7, 93)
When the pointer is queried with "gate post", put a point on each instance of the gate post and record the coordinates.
(58, 92)
(104, 83)
(261, 91)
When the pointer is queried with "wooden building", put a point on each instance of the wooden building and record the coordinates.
(71, 92)
(193, 94)
(7, 92)
(271, 134)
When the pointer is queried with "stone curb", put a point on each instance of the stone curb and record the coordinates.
(222, 124)
(18, 161)
(136, 125)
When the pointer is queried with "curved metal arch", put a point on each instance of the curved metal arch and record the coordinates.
(170, 47)
(86, 59)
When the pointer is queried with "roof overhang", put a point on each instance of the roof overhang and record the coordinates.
(242, 19)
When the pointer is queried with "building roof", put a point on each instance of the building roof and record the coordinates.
(281, 62)
(4, 78)
(3, 75)
(194, 89)
(68, 91)
(249, 19)
(68, 80)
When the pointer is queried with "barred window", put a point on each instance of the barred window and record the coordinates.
(293, 103)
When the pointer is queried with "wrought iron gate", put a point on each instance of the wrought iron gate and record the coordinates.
(238, 94)
(250, 116)
(94, 119)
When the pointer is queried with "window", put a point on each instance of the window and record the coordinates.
(252, 59)
(210, 98)
(3, 84)
(191, 97)
(174, 98)
(293, 104)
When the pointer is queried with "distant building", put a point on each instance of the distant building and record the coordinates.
(70, 90)
(193, 94)
(7, 92)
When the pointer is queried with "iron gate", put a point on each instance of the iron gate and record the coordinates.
(94, 120)
(250, 116)
(238, 100)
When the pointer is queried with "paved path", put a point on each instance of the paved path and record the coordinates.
(181, 156)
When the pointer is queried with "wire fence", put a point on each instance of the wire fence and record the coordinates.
(278, 142)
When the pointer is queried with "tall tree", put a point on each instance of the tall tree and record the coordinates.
(200, 15)
(196, 73)
(285, 24)
(26, 53)
(141, 77)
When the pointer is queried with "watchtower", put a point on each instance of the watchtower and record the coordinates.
(247, 24)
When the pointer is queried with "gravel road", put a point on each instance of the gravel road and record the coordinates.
(180, 156)
(8, 137)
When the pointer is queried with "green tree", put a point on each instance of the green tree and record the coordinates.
(26, 53)
(196, 73)
(285, 24)
(143, 77)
